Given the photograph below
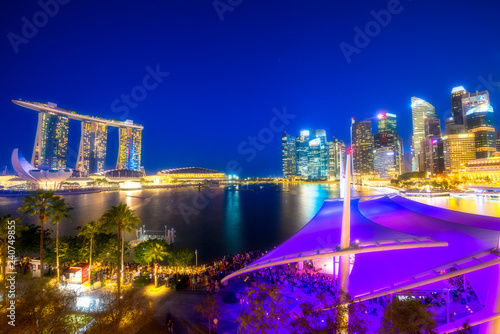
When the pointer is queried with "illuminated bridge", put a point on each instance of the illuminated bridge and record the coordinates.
(51, 141)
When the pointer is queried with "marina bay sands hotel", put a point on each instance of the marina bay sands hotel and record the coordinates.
(51, 141)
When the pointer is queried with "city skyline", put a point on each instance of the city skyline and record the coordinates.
(201, 94)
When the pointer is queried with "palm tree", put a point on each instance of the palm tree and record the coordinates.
(123, 219)
(89, 231)
(155, 250)
(60, 210)
(6, 225)
(39, 203)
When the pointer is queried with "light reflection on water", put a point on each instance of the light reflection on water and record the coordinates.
(471, 204)
(232, 220)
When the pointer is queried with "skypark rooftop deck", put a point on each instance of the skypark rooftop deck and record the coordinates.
(41, 107)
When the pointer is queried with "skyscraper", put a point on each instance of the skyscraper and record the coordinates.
(51, 141)
(387, 135)
(362, 147)
(498, 141)
(420, 109)
(431, 157)
(317, 164)
(336, 149)
(92, 152)
(456, 104)
(288, 154)
(459, 148)
(481, 123)
(384, 161)
(472, 100)
(302, 149)
(129, 154)
(452, 128)
(387, 123)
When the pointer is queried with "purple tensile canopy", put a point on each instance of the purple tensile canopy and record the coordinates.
(459, 241)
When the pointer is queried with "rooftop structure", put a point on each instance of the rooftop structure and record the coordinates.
(191, 174)
(51, 140)
(189, 170)
(37, 106)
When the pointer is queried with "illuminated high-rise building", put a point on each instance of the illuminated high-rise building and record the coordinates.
(288, 154)
(387, 123)
(480, 122)
(129, 153)
(302, 149)
(336, 150)
(387, 135)
(51, 141)
(457, 93)
(362, 147)
(432, 158)
(473, 100)
(384, 161)
(92, 152)
(317, 164)
(459, 148)
(498, 141)
(420, 110)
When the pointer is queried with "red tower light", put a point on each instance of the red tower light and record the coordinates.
(349, 151)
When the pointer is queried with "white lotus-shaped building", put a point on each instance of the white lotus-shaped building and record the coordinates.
(43, 173)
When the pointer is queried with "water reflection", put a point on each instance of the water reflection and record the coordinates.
(231, 220)
(471, 204)
(232, 223)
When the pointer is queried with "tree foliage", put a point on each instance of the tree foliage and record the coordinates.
(181, 257)
(408, 316)
(266, 310)
(122, 219)
(466, 328)
(121, 315)
(209, 309)
(50, 312)
(41, 203)
(326, 314)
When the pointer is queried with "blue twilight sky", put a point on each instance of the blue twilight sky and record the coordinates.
(226, 76)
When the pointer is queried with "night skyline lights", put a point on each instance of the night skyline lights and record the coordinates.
(51, 141)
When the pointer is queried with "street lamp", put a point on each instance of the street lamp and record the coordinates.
(196, 253)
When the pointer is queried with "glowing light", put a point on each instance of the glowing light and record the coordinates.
(83, 302)
(128, 185)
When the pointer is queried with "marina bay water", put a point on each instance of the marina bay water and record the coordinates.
(223, 221)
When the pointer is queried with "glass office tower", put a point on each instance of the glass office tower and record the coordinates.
(362, 147)
(480, 122)
(302, 149)
(317, 164)
(420, 110)
(288, 154)
(457, 93)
